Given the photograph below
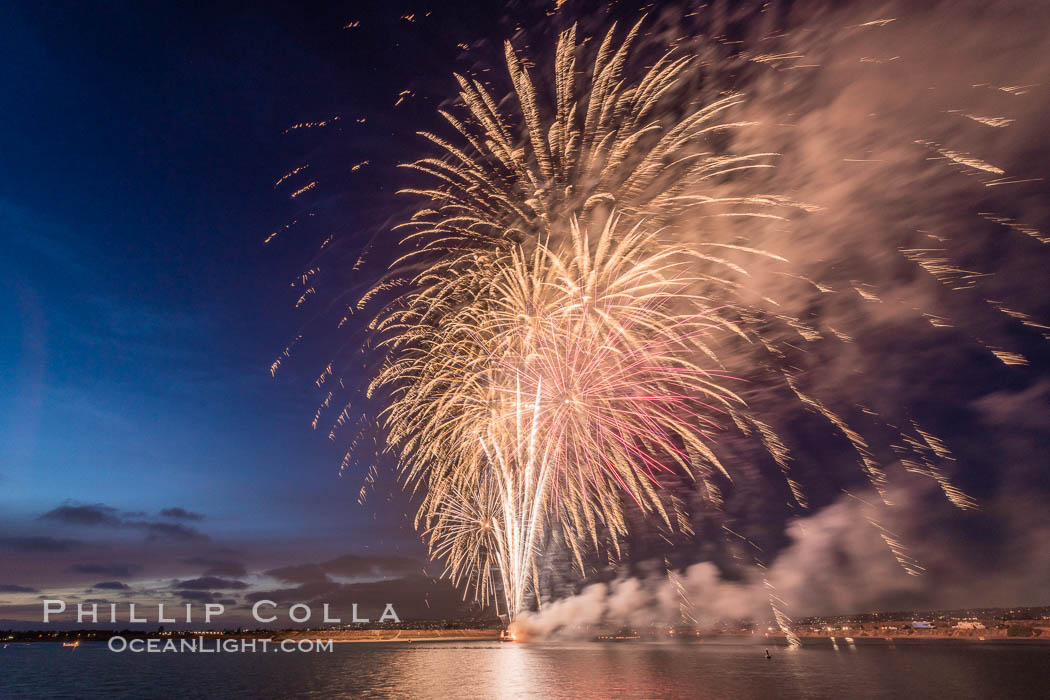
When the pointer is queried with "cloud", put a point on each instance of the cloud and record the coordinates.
(171, 531)
(11, 588)
(96, 514)
(218, 567)
(114, 570)
(180, 514)
(197, 596)
(347, 566)
(365, 566)
(209, 583)
(40, 544)
(299, 573)
(306, 592)
(112, 586)
(99, 514)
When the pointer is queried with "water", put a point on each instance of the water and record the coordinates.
(448, 670)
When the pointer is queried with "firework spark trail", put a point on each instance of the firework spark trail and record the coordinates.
(521, 482)
(686, 609)
(783, 621)
(601, 340)
(465, 536)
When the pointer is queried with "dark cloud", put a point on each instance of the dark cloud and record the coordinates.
(180, 514)
(297, 594)
(99, 514)
(218, 567)
(358, 566)
(11, 588)
(114, 570)
(40, 544)
(171, 531)
(211, 583)
(347, 566)
(300, 573)
(196, 596)
(112, 586)
(95, 514)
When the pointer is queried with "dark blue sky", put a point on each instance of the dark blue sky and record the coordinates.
(136, 191)
(141, 310)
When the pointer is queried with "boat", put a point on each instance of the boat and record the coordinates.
(71, 644)
(507, 636)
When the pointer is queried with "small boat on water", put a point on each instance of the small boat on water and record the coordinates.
(71, 644)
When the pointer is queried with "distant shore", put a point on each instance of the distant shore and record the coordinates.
(990, 635)
(481, 635)
(395, 635)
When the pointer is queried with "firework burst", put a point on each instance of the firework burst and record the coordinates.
(565, 341)
(575, 373)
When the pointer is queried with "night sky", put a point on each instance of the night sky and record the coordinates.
(146, 452)
(142, 311)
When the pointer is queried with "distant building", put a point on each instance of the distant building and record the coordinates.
(922, 625)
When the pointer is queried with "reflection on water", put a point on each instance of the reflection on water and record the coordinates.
(719, 669)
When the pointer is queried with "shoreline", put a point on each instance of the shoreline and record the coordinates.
(366, 636)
